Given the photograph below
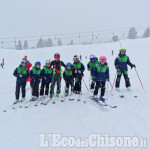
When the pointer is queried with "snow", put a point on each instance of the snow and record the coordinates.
(20, 128)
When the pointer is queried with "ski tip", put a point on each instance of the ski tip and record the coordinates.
(4, 111)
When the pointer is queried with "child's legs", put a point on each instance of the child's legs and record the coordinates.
(17, 90)
(23, 86)
(103, 88)
(42, 89)
(47, 88)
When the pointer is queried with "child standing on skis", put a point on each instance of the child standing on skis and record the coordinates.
(102, 75)
(121, 63)
(46, 75)
(78, 69)
(22, 75)
(35, 75)
(56, 64)
(68, 77)
(92, 68)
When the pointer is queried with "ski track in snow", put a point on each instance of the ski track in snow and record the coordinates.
(20, 128)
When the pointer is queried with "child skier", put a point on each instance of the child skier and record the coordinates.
(78, 69)
(35, 75)
(22, 74)
(102, 75)
(57, 74)
(68, 77)
(92, 68)
(46, 75)
(121, 63)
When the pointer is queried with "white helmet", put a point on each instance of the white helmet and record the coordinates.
(92, 56)
(76, 57)
(47, 62)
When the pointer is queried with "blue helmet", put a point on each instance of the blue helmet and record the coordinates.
(38, 63)
(69, 64)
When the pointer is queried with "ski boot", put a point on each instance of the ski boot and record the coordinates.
(117, 89)
(16, 101)
(102, 99)
(129, 88)
(95, 98)
(41, 97)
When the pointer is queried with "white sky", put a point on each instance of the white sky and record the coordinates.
(40, 17)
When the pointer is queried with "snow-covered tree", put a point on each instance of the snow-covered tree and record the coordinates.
(25, 45)
(40, 43)
(146, 33)
(132, 33)
(115, 38)
(19, 45)
(71, 42)
(48, 43)
(59, 42)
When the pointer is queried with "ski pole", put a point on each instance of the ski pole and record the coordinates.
(114, 82)
(86, 85)
(111, 85)
(139, 79)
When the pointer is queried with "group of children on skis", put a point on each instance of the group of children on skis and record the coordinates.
(73, 74)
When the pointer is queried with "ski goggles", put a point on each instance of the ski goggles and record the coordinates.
(93, 59)
(122, 51)
(23, 62)
(102, 61)
(76, 59)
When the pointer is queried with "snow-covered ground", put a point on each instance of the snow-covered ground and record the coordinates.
(20, 128)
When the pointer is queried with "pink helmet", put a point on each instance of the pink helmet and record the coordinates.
(102, 58)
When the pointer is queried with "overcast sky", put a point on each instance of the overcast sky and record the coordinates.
(40, 17)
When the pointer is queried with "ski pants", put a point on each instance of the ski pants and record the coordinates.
(101, 85)
(46, 87)
(57, 78)
(127, 80)
(93, 85)
(21, 86)
(35, 88)
(68, 84)
(77, 86)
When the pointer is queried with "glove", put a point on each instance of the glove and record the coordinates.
(118, 70)
(76, 71)
(107, 79)
(133, 66)
(89, 69)
(79, 71)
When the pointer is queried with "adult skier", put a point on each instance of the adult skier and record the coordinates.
(46, 75)
(121, 63)
(28, 66)
(92, 68)
(102, 75)
(69, 78)
(35, 75)
(22, 74)
(56, 64)
(78, 69)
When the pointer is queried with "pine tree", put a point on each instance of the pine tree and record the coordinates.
(115, 38)
(132, 33)
(71, 42)
(146, 33)
(25, 45)
(59, 42)
(19, 45)
(40, 43)
(48, 43)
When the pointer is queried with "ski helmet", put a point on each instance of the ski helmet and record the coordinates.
(102, 59)
(76, 58)
(38, 63)
(123, 50)
(68, 66)
(92, 57)
(57, 56)
(47, 62)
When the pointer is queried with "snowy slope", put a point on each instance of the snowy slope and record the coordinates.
(20, 128)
